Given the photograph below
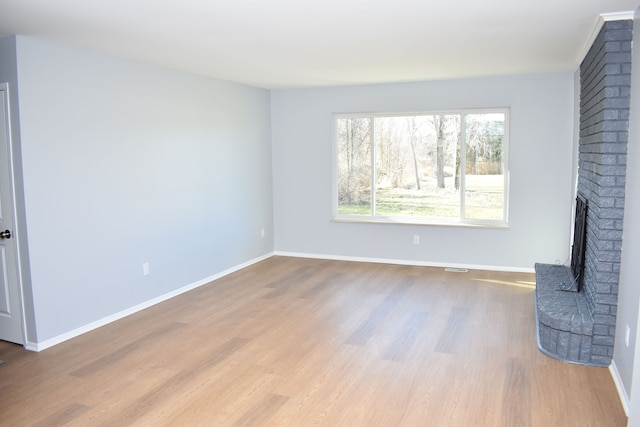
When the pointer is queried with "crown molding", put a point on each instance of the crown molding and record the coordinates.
(604, 17)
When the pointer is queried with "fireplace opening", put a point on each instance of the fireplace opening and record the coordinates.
(579, 245)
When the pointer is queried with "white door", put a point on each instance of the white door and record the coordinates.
(10, 307)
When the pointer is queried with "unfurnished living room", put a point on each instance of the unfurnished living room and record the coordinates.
(336, 213)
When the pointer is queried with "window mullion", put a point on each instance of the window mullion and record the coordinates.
(463, 164)
(372, 132)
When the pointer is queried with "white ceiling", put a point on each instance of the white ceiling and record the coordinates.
(306, 43)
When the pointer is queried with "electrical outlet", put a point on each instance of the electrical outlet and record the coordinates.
(262, 232)
(627, 333)
(416, 239)
(145, 269)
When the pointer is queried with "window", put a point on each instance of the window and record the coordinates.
(409, 168)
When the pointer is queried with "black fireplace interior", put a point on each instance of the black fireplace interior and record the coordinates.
(579, 243)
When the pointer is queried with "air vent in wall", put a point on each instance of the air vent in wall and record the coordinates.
(456, 270)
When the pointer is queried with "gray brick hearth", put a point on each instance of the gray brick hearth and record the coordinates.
(565, 323)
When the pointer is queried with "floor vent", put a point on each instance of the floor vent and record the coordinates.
(456, 270)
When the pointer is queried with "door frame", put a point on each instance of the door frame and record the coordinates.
(4, 87)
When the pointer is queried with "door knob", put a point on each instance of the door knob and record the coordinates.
(6, 234)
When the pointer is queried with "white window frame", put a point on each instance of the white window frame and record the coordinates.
(421, 220)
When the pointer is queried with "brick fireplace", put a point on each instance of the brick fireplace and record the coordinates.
(580, 326)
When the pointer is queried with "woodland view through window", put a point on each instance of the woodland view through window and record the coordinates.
(409, 167)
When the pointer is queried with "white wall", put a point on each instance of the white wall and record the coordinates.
(629, 284)
(125, 163)
(541, 143)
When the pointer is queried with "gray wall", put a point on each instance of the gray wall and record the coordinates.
(629, 284)
(125, 163)
(539, 161)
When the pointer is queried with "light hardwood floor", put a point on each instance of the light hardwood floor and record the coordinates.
(302, 342)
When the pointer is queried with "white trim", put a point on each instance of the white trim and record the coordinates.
(405, 262)
(39, 346)
(617, 16)
(31, 346)
(436, 222)
(624, 398)
(604, 17)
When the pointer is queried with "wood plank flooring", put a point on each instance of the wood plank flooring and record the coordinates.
(303, 342)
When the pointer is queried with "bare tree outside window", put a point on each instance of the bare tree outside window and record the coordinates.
(354, 165)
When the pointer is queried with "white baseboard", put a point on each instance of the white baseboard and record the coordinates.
(406, 262)
(31, 346)
(39, 346)
(624, 397)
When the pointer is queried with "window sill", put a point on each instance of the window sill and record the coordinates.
(415, 221)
